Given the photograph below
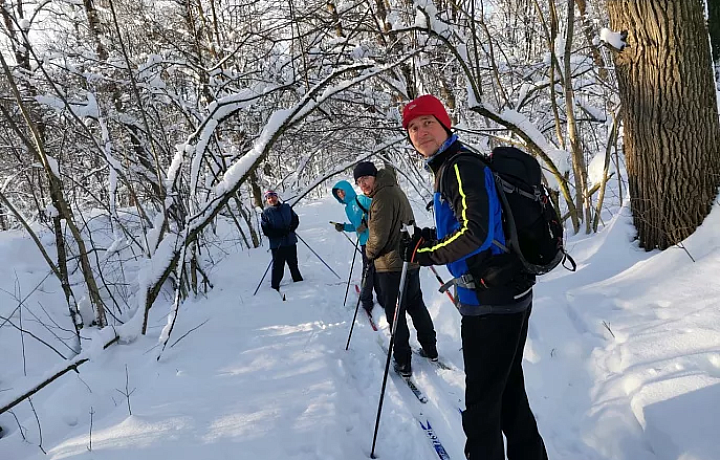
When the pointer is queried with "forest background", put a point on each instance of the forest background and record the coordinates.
(129, 128)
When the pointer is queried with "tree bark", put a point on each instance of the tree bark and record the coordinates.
(582, 198)
(671, 118)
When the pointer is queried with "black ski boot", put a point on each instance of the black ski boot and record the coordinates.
(432, 355)
(404, 370)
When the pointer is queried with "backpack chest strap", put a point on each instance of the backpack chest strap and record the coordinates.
(465, 281)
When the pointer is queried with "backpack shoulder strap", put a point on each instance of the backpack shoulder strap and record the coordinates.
(478, 156)
(357, 200)
(462, 152)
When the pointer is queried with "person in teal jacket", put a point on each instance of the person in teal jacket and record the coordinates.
(356, 208)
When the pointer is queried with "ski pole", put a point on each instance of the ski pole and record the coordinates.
(263, 277)
(407, 230)
(316, 255)
(442, 283)
(348, 238)
(357, 305)
(351, 270)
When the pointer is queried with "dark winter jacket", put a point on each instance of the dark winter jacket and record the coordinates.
(279, 224)
(468, 217)
(390, 209)
(356, 208)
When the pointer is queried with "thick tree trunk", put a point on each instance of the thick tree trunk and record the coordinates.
(671, 117)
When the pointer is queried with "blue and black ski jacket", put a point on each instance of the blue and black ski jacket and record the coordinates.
(354, 205)
(279, 224)
(468, 218)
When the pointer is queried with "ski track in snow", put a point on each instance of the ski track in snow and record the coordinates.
(615, 367)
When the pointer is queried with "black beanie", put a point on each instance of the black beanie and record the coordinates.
(364, 168)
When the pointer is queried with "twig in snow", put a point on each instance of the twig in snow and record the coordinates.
(682, 246)
(188, 332)
(83, 382)
(18, 293)
(37, 418)
(22, 302)
(127, 391)
(607, 326)
(71, 366)
(20, 427)
(23, 331)
(92, 412)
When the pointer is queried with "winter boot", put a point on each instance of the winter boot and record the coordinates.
(432, 355)
(404, 370)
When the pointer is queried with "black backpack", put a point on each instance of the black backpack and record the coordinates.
(531, 223)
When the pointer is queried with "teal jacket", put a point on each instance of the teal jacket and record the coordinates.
(354, 205)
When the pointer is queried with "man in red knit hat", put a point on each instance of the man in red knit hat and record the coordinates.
(494, 295)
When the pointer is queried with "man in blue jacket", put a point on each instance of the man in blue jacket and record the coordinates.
(356, 208)
(494, 295)
(279, 223)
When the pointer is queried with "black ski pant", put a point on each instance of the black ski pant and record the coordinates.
(495, 398)
(387, 285)
(366, 296)
(280, 256)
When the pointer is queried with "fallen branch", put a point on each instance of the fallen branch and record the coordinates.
(59, 371)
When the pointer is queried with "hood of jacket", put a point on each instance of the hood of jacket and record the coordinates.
(390, 209)
(383, 180)
(345, 187)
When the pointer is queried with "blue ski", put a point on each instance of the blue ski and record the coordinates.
(437, 445)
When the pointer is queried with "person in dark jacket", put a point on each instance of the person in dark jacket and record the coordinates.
(356, 209)
(279, 223)
(493, 293)
(389, 210)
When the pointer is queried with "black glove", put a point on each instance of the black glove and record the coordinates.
(409, 244)
(339, 227)
(428, 234)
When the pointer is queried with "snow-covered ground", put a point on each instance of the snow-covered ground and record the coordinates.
(622, 361)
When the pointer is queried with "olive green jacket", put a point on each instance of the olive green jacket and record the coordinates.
(390, 209)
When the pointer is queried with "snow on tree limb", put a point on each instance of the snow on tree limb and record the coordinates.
(510, 119)
(163, 262)
(343, 167)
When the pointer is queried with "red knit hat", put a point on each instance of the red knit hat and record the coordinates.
(426, 105)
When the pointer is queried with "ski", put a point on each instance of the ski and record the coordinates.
(422, 420)
(416, 391)
(439, 364)
(437, 445)
(408, 380)
(371, 320)
(367, 313)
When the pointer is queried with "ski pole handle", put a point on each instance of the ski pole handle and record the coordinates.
(408, 229)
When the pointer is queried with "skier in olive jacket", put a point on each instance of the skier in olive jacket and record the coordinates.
(390, 209)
